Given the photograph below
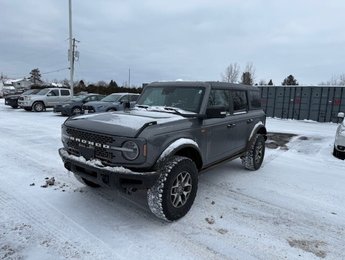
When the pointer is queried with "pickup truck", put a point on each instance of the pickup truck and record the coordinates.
(45, 98)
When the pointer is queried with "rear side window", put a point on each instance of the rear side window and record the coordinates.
(219, 98)
(240, 102)
(255, 100)
(64, 92)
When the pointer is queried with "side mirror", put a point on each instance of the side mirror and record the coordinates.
(341, 115)
(216, 112)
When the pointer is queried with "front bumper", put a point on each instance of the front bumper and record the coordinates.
(113, 177)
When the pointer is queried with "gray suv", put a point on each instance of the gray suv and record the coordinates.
(176, 130)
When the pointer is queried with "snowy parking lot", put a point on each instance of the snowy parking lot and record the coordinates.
(292, 208)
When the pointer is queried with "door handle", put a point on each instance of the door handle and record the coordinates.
(250, 121)
(231, 125)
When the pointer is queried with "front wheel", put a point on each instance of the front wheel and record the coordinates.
(76, 111)
(255, 154)
(38, 107)
(174, 192)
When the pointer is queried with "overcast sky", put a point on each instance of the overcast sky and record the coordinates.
(169, 40)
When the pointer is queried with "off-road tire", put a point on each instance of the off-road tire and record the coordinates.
(255, 154)
(174, 192)
(14, 106)
(111, 110)
(338, 154)
(27, 108)
(38, 106)
(76, 111)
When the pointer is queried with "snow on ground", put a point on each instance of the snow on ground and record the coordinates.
(292, 208)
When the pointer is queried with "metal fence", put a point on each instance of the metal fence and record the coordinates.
(320, 104)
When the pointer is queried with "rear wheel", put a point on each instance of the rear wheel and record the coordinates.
(14, 106)
(38, 107)
(174, 192)
(111, 110)
(255, 154)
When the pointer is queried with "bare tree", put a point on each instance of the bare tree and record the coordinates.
(341, 80)
(335, 81)
(251, 69)
(262, 82)
(231, 73)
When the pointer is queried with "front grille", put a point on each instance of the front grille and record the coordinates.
(99, 152)
(97, 138)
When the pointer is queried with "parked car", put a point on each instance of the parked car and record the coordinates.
(7, 90)
(176, 130)
(74, 105)
(47, 97)
(112, 102)
(12, 100)
(339, 142)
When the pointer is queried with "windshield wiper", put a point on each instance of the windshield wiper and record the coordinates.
(142, 106)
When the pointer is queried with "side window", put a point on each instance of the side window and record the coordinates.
(64, 92)
(219, 98)
(240, 102)
(124, 98)
(53, 93)
(134, 97)
(255, 100)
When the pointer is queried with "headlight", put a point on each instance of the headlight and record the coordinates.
(341, 131)
(130, 151)
(28, 98)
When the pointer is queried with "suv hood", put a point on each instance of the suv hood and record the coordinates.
(128, 123)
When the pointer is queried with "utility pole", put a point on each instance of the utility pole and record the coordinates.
(129, 77)
(71, 48)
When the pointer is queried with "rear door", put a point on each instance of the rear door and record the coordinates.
(240, 119)
(65, 94)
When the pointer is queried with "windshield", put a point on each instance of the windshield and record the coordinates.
(43, 91)
(78, 98)
(182, 97)
(30, 92)
(112, 98)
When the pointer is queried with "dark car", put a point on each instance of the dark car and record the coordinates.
(74, 105)
(112, 102)
(176, 130)
(12, 100)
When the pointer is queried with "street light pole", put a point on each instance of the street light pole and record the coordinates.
(71, 52)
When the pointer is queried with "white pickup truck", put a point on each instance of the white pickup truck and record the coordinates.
(48, 97)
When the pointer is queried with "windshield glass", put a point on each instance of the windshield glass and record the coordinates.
(43, 91)
(112, 98)
(182, 97)
(30, 92)
(78, 98)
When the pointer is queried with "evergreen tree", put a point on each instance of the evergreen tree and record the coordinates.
(290, 80)
(35, 76)
(247, 78)
(270, 83)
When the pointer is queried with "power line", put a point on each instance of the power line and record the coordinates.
(58, 70)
